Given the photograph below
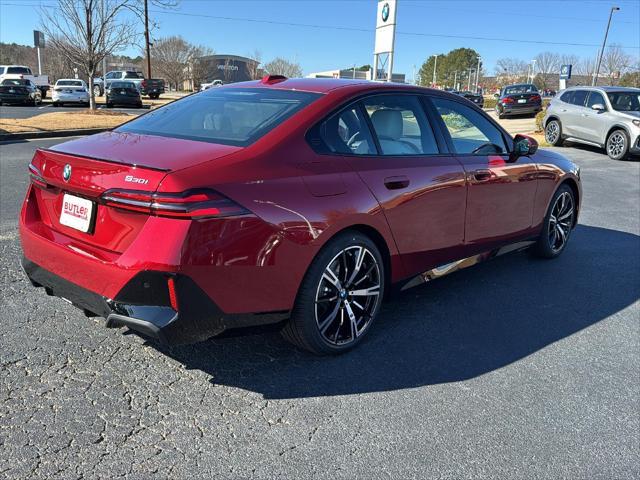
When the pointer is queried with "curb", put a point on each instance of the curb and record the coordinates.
(4, 137)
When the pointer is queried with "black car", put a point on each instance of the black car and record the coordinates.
(152, 87)
(124, 94)
(19, 90)
(473, 97)
(521, 99)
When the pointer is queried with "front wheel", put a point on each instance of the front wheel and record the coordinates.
(558, 224)
(340, 296)
(618, 145)
(553, 133)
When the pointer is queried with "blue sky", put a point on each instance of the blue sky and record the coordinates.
(316, 49)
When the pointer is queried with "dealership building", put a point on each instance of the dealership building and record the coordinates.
(229, 68)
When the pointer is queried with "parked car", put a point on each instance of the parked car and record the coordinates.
(19, 90)
(293, 202)
(207, 86)
(129, 75)
(152, 87)
(473, 97)
(519, 99)
(20, 71)
(606, 117)
(123, 94)
(70, 90)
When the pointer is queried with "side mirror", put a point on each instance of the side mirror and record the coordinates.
(598, 107)
(524, 145)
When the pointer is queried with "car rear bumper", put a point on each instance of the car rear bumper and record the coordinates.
(56, 97)
(143, 305)
(124, 100)
(521, 110)
(9, 98)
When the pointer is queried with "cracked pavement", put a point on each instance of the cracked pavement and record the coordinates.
(516, 368)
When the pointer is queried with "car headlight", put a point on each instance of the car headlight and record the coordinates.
(636, 123)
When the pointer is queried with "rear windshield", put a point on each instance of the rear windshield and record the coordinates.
(19, 70)
(517, 89)
(133, 75)
(625, 101)
(231, 116)
(123, 85)
(69, 83)
(16, 81)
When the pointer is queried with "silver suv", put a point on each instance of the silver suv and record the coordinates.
(607, 117)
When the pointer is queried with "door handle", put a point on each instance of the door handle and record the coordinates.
(396, 183)
(482, 175)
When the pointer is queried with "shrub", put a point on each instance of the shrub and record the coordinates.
(539, 119)
(490, 102)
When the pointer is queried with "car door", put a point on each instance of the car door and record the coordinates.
(500, 188)
(574, 124)
(595, 122)
(419, 185)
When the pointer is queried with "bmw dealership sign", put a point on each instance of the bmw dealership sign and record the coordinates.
(385, 26)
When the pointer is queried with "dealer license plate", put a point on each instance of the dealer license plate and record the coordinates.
(522, 100)
(76, 212)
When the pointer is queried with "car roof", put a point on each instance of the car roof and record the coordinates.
(323, 85)
(606, 88)
(69, 80)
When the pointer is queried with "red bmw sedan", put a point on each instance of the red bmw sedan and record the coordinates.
(292, 202)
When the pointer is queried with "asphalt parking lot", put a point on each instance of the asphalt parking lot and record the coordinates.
(517, 368)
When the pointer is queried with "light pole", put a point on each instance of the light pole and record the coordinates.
(435, 65)
(455, 80)
(533, 69)
(470, 72)
(604, 43)
(478, 75)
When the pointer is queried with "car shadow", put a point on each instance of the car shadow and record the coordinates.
(601, 151)
(452, 329)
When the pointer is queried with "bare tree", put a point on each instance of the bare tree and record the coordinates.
(199, 64)
(86, 31)
(586, 66)
(281, 66)
(615, 62)
(511, 69)
(547, 64)
(173, 56)
(253, 67)
(569, 59)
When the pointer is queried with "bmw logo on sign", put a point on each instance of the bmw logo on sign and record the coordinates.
(66, 172)
(385, 12)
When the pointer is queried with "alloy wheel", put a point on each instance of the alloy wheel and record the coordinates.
(552, 132)
(560, 221)
(347, 295)
(616, 145)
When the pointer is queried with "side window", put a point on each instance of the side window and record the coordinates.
(567, 96)
(1, 70)
(109, 76)
(470, 131)
(400, 125)
(579, 97)
(346, 132)
(594, 99)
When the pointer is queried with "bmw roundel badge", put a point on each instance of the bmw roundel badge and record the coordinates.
(66, 172)
(385, 12)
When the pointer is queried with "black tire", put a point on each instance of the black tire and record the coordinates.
(304, 327)
(617, 145)
(500, 113)
(553, 133)
(548, 245)
(109, 105)
(43, 92)
(55, 104)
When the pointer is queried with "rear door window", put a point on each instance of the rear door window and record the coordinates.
(579, 97)
(400, 124)
(18, 71)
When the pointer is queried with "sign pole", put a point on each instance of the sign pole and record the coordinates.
(39, 62)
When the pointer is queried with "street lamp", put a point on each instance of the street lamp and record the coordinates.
(478, 75)
(606, 33)
(435, 64)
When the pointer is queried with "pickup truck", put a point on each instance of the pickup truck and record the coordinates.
(20, 71)
(153, 87)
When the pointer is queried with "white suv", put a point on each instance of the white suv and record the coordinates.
(606, 117)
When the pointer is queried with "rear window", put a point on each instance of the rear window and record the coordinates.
(231, 116)
(122, 85)
(16, 81)
(566, 97)
(19, 70)
(518, 89)
(69, 83)
(133, 75)
(579, 97)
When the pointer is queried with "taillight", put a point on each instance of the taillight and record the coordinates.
(535, 98)
(198, 203)
(36, 176)
(507, 100)
(144, 84)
